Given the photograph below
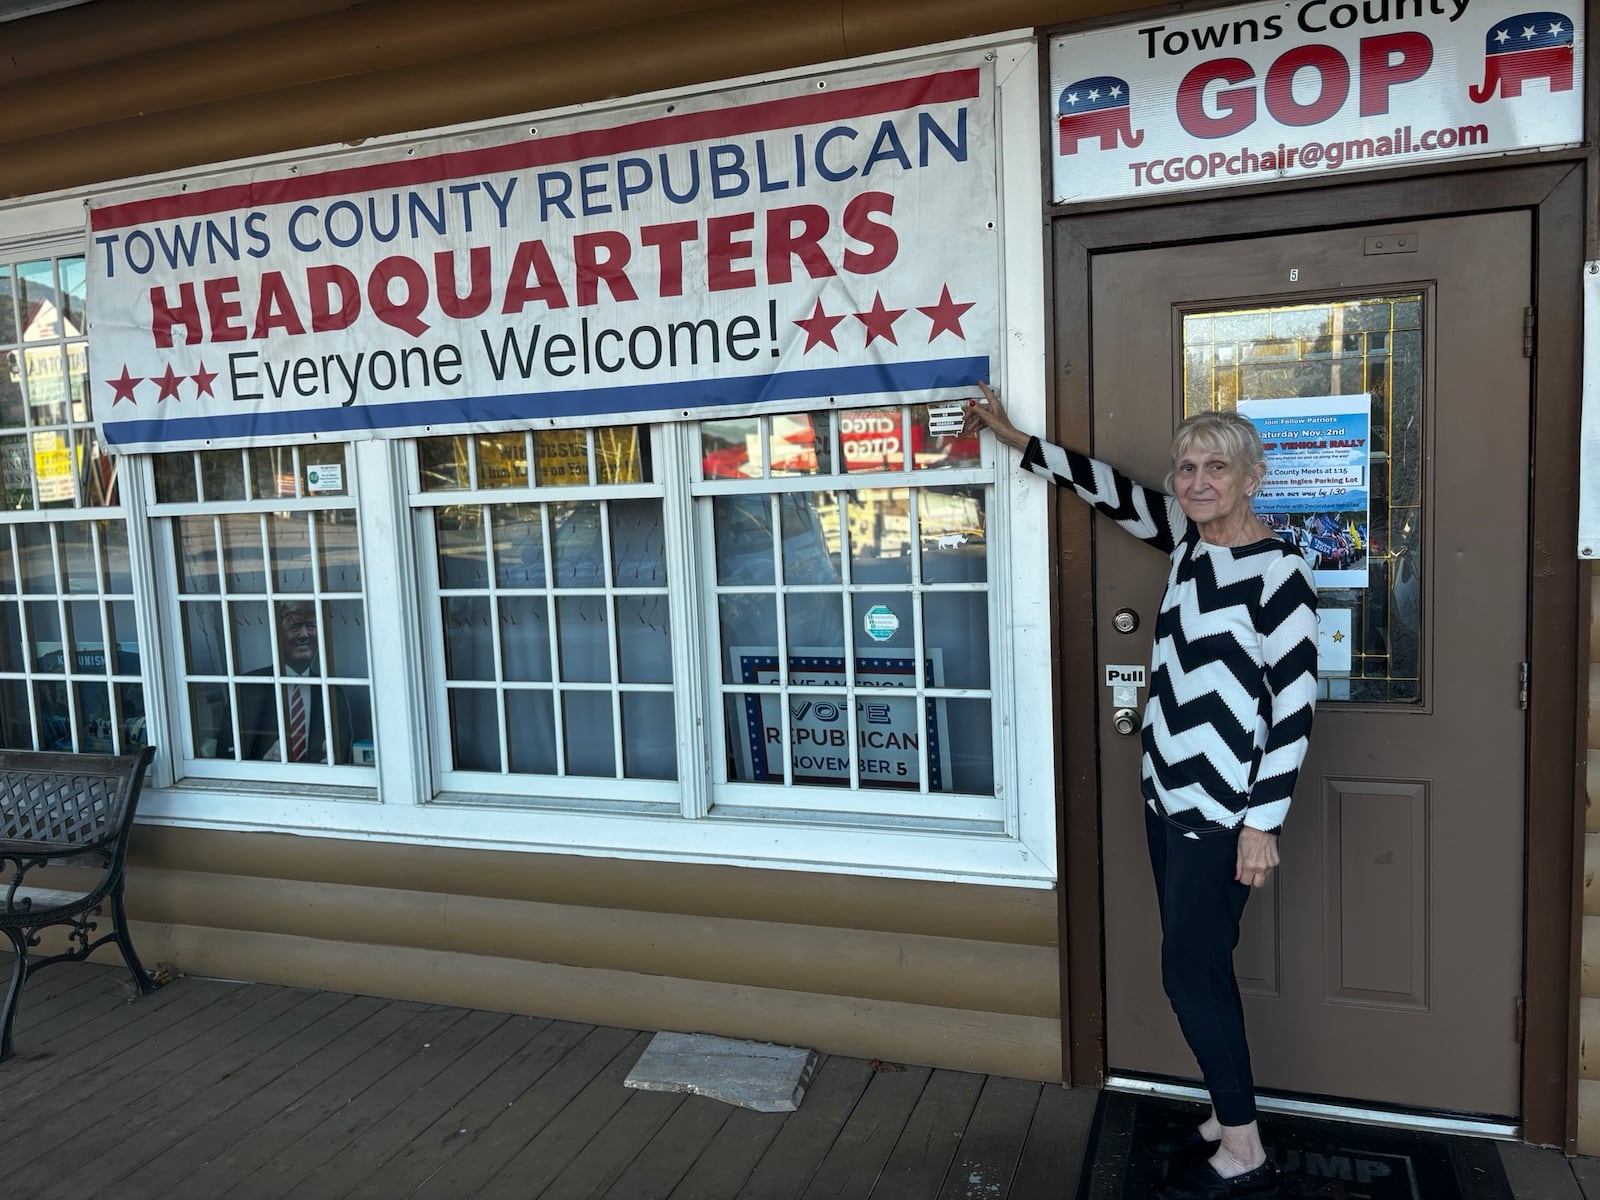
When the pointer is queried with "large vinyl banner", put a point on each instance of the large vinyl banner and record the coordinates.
(832, 239)
(1293, 89)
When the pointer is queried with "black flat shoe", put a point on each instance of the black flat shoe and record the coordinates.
(1180, 1142)
(1203, 1183)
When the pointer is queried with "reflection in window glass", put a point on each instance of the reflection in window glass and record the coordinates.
(1368, 560)
(269, 609)
(852, 638)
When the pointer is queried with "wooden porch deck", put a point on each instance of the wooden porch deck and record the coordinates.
(214, 1089)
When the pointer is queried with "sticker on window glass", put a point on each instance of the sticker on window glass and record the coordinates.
(880, 623)
(1333, 641)
(945, 420)
(326, 478)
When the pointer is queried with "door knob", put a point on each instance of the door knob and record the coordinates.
(1125, 620)
(1125, 721)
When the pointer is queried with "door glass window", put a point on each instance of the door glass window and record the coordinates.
(1327, 359)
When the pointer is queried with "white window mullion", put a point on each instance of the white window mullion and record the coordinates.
(389, 571)
(692, 611)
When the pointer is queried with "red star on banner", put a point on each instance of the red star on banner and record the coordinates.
(203, 379)
(945, 315)
(122, 387)
(880, 320)
(819, 328)
(168, 381)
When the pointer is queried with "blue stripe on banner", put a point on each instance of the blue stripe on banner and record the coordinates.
(641, 399)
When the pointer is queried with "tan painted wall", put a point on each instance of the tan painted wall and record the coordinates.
(962, 977)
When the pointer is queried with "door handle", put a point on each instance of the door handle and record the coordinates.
(1125, 721)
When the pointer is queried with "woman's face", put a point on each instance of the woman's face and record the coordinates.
(1211, 489)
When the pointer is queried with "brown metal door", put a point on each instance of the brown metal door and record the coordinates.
(1383, 963)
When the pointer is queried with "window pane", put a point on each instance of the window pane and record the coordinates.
(743, 531)
(584, 638)
(961, 742)
(16, 473)
(644, 648)
(78, 557)
(175, 482)
(502, 460)
(561, 457)
(324, 471)
(815, 625)
(531, 717)
(649, 737)
(124, 638)
(755, 748)
(956, 633)
(272, 474)
(518, 545)
(114, 544)
(44, 377)
(16, 725)
(809, 554)
(442, 464)
(474, 729)
(622, 454)
(212, 717)
(37, 556)
(637, 550)
(242, 555)
(45, 648)
(801, 445)
(13, 414)
(579, 553)
(726, 448)
(338, 550)
(952, 527)
(11, 637)
(468, 640)
(879, 522)
(197, 555)
(934, 451)
(205, 652)
(344, 638)
(291, 552)
(872, 440)
(590, 746)
(525, 638)
(748, 625)
(458, 532)
(221, 475)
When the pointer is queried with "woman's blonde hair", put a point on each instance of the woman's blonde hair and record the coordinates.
(1231, 435)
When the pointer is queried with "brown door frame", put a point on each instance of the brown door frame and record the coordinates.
(1553, 190)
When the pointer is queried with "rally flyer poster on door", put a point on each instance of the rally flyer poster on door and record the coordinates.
(1317, 492)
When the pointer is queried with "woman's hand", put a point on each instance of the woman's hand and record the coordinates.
(991, 414)
(1258, 854)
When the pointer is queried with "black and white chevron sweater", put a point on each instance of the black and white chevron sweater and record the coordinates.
(1233, 675)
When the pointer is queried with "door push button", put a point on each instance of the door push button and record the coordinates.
(1125, 721)
(1125, 620)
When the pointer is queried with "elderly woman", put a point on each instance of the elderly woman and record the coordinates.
(1233, 682)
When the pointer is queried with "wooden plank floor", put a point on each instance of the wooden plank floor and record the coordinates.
(211, 1089)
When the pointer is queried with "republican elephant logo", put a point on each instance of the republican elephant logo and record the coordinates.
(1097, 108)
(1518, 49)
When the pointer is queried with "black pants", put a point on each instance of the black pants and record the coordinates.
(1201, 904)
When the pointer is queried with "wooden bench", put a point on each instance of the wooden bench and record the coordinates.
(64, 810)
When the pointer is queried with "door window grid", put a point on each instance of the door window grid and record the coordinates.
(899, 558)
(50, 456)
(552, 609)
(263, 558)
(1371, 345)
(69, 646)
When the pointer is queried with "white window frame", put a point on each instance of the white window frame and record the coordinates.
(1017, 848)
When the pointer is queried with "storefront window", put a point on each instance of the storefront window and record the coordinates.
(69, 646)
(852, 584)
(270, 617)
(551, 613)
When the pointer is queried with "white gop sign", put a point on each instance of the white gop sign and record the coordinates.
(831, 239)
(1307, 88)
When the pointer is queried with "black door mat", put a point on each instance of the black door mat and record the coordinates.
(1320, 1160)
